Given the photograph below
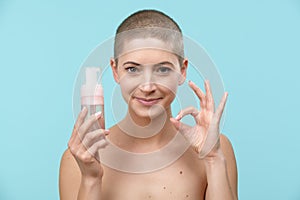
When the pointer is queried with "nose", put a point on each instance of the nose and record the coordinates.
(147, 85)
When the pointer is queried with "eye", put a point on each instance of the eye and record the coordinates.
(163, 70)
(132, 69)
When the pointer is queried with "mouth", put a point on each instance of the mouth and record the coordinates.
(148, 102)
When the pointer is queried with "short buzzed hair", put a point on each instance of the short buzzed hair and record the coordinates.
(150, 24)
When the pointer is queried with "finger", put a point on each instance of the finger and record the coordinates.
(88, 158)
(78, 123)
(93, 150)
(199, 94)
(77, 149)
(209, 96)
(181, 127)
(81, 117)
(221, 107)
(94, 136)
(188, 111)
(84, 155)
(88, 123)
(83, 129)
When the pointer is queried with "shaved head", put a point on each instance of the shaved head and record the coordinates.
(146, 24)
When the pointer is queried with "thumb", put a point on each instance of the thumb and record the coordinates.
(101, 120)
(176, 123)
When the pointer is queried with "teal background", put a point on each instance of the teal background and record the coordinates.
(255, 45)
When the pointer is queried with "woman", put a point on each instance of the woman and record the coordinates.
(149, 65)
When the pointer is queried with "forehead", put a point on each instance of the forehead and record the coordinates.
(148, 51)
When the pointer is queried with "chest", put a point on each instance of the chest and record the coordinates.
(183, 179)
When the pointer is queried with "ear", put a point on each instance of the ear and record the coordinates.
(114, 68)
(183, 70)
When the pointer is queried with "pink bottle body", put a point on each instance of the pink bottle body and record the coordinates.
(92, 96)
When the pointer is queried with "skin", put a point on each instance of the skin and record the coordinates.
(141, 76)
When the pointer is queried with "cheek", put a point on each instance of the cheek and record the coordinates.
(169, 83)
(128, 86)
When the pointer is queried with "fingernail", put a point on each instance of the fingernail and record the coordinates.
(98, 114)
(83, 109)
(106, 132)
(177, 117)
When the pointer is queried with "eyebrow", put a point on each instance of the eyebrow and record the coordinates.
(131, 63)
(157, 64)
(164, 63)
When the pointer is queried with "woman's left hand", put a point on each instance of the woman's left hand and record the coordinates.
(204, 136)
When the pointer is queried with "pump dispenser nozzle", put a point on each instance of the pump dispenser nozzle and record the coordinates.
(91, 76)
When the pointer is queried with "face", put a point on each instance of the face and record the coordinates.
(148, 77)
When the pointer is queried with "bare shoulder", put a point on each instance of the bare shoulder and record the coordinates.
(67, 156)
(69, 176)
(226, 146)
(228, 152)
(68, 162)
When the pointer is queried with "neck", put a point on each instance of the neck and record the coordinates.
(141, 134)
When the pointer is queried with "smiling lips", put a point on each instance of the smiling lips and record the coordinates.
(148, 102)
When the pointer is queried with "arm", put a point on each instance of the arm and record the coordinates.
(69, 177)
(71, 185)
(90, 189)
(221, 173)
(80, 170)
(215, 151)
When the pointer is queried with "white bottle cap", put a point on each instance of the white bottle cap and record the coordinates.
(91, 91)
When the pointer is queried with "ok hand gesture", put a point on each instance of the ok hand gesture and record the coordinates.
(204, 136)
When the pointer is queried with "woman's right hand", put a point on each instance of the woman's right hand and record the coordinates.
(84, 145)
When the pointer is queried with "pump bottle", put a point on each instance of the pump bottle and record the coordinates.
(92, 95)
